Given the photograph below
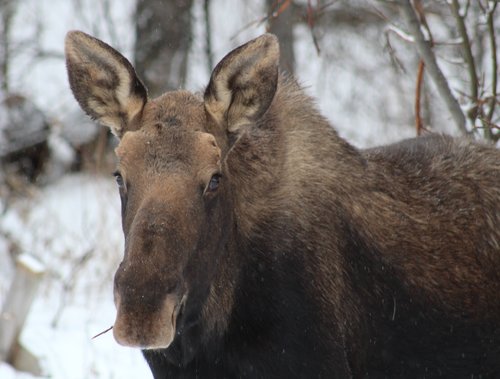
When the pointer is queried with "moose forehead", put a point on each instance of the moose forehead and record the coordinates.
(170, 135)
(179, 109)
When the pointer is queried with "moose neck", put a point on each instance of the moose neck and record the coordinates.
(280, 158)
(276, 166)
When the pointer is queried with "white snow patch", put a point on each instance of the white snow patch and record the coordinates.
(73, 226)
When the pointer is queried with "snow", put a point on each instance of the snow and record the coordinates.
(73, 227)
(31, 263)
(7, 372)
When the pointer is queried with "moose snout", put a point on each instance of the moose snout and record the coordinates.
(148, 301)
(147, 329)
(150, 285)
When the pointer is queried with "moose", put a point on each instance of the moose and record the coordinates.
(260, 244)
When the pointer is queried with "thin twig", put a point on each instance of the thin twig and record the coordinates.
(490, 124)
(281, 7)
(310, 23)
(39, 53)
(418, 91)
(419, 8)
(491, 127)
(425, 51)
(409, 38)
(469, 58)
(103, 332)
(398, 65)
(70, 282)
(400, 33)
(494, 64)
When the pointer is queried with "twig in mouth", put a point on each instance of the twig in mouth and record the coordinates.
(105, 331)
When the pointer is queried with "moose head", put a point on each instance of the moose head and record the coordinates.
(176, 189)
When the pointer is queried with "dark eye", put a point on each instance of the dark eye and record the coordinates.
(123, 192)
(119, 179)
(213, 184)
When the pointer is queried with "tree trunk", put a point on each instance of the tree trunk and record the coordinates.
(281, 24)
(163, 38)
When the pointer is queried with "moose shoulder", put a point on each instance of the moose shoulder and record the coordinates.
(260, 244)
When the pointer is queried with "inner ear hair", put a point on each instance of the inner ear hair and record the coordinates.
(103, 82)
(243, 84)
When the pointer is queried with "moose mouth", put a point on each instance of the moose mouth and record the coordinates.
(148, 331)
(177, 313)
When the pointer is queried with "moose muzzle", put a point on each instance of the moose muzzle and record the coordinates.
(146, 328)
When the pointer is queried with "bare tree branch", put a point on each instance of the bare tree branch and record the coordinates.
(311, 22)
(208, 35)
(469, 58)
(425, 51)
(419, 10)
(400, 33)
(494, 63)
(418, 92)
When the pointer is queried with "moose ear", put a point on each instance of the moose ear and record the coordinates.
(103, 82)
(244, 82)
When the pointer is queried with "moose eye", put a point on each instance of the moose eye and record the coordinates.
(213, 184)
(119, 179)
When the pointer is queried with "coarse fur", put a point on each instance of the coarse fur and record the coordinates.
(260, 244)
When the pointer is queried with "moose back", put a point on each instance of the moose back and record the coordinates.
(260, 244)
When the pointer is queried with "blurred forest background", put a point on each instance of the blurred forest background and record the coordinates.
(381, 70)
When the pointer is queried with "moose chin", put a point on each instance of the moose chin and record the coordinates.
(260, 244)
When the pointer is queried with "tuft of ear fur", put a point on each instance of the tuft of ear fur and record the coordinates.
(103, 82)
(243, 84)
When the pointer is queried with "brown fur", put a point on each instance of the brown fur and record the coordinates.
(311, 258)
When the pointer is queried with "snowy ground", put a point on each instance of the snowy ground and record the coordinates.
(73, 227)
